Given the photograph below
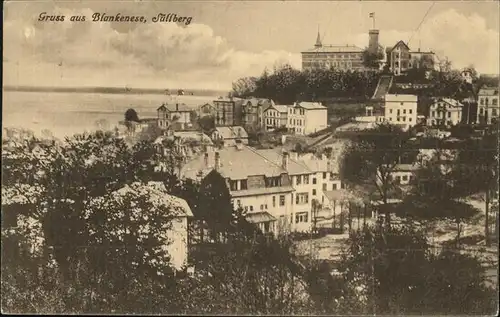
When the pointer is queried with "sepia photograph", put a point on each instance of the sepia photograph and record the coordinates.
(250, 157)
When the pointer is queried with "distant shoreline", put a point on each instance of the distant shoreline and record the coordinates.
(116, 90)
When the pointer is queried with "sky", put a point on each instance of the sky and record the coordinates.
(226, 40)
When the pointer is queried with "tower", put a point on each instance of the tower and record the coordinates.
(373, 41)
(318, 41)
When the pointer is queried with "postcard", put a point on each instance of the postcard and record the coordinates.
(250, 157)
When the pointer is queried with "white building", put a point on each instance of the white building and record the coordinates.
(276, 189)
(401, 110)
(276, 116)
(307, 117)
(445, 111)
(488, 106)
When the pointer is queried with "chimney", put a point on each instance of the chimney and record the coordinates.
(217, 161)
(373, 41)
(285, 161)
(176, 107)
(206, 159)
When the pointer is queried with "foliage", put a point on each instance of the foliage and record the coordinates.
(371, 59)
(372, 158)
(131, 115)
(398, 273)
(207, 123)
(244, 87)
(287, 85)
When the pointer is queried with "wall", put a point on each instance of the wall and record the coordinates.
(178, 246)
(405, 117)
(315, 120)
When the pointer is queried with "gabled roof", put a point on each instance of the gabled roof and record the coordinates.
(254, 102)
(295, 167)
(452, 102)
(398, 44)
(233, 132)
(279, 108)
(235, 163)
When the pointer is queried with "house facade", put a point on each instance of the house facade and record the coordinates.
(445, 112)
(307, 117)
(178, 112)
(401, 110)
(488, 107)
(253, 112)
(228, 111)
(399, 58)
(206, 109)
(275, 116)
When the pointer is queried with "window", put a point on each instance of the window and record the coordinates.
(282, 200)
(314, 192)
(246, 208)
(274, 201)
(334, 186)
(324, 187)
(409, 119)
(261, 207)
(410, 111)
(301, 217)
(405, 177)
(324, 175)
(238, 203)
(390, 110)
(481, 111)
(494, 112)
(233, 185)
(299, 180)
(399, 112)
(434, 113)
(482, 101)
(306, 179)
(398, 179)
(314, 180)
(494, 101)
(301, 199)
(397, 119)
(404, 119)
(401, 103)
(244, 184)
(251, 208)
(449, 114)
(404, 111)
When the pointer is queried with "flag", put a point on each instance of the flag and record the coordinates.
(372, 14)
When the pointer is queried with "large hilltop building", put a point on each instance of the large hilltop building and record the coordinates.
(346, 57)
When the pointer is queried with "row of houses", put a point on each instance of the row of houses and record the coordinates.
(401, 109)
(257, 113)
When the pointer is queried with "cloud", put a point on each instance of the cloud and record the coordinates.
(465, 40)
(160, 55)
(149, 55)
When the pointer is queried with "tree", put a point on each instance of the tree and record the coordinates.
(373, 59)
(478, 161)
(216, 210)
(396, 272)
(244, 87)
(131, 115)
(372, 158)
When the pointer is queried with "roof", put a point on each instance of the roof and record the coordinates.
(279, 108)
(262, 191)
(310, 105)
(451, 102)
(406, 167)
(488, 91)
(259, 101)
(235, 163)
(335, 49)
(399, 98)
(398, 44)
(158, 196)
(259, 217)
(295, 167)
(233, 132)
(320, 165)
